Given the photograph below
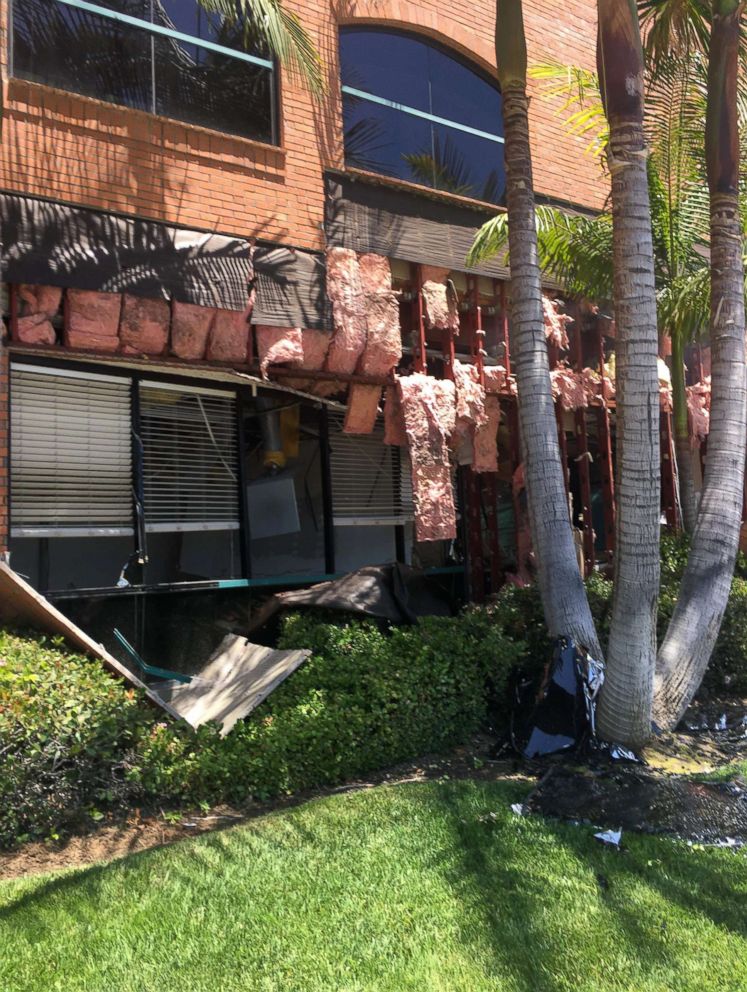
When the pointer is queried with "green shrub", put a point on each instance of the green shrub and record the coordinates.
(77, 742)
(727, 670)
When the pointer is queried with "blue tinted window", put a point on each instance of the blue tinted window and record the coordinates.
(413, 111)
(104, 56)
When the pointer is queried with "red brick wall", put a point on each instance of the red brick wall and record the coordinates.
(79, 150)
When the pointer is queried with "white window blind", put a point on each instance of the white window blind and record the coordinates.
(71, 454)
(371, 481)
(190, 458)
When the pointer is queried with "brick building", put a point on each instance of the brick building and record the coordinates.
(156, 430)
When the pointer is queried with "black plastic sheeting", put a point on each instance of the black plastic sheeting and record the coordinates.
(395, 593)
(561, 717)
(291, 289)
(52, 244)
(365, 216)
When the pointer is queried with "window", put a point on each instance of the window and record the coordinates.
(414, 112)
(71, 454)
(168, 57)
(371, 496)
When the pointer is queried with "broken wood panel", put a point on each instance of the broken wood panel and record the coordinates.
(237, 678)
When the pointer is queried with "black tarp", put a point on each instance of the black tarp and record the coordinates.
(401, 224)
(291, 289)
(53, 244)
(395, 593)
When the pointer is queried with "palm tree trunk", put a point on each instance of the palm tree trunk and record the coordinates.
(683, 451)
(627, 696)
(705, 587)
(563, 593)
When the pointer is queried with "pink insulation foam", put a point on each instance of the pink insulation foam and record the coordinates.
(36, 307)
(278, 346)
(383, 337)
(92, 320)
(699, 410)
(497, 380)
(34, 329)
(363, 408)
(470, 398)
(555, 323)
(394, 419)
(314, 345)
(439, 299)
(375, 273)
(144, 325)
(190, 327)
(575, 390)
(44, 300)
(486, 438)
(345, 291)
(230, 337)
(429, 408)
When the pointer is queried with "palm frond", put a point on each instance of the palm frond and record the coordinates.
(490, 240)
(683, 306)
(580, 106)
(282, 32)
(674, 26)
(574, 250)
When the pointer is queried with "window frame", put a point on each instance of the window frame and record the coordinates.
(153, 29)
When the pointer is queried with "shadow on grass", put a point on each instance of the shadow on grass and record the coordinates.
(541, 889)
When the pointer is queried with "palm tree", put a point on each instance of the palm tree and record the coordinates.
(281, 31)
(704, 591)
(627, 697)
(562, 590)
(577, 251)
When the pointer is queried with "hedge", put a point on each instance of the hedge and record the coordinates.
(75, 742)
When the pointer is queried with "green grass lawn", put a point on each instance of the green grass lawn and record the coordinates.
(423, 887)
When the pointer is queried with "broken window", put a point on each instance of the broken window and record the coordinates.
(285, 497)
(415, 112)
(169, 57)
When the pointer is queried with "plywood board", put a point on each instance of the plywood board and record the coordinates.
(236, 679)
(22, 606)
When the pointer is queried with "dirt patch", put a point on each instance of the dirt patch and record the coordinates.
(636, 799)
(140, 830)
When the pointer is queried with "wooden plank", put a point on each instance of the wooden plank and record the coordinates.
(21, 605)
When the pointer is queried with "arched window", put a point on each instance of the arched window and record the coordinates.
(413, 111)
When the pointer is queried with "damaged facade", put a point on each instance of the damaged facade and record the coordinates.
(242, 349)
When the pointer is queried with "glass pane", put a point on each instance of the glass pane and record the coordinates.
(202, 87)
(468, 165)
(74, 50)
(379, 139)
(459, 94)
(189, 17)
(388, 64)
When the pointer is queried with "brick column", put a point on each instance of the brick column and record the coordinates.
(4, 442)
